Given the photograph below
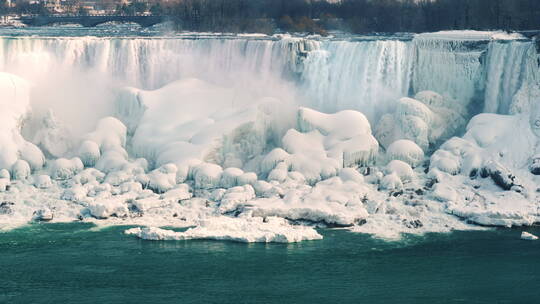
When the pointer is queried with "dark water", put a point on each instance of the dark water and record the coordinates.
(71, 263)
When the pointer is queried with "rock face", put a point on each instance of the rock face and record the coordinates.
(501, 176)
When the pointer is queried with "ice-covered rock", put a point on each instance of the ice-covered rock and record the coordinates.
(391, 182)
(427, 119)
(163, 178)
(53, 137)
(207, 176)
(230, 176)
(63, 168)
(248, 230)
(20, 170)
(89, 153)
(106, 208)
(43, 181)
(401, 169)
(405, 150)
(43, 215)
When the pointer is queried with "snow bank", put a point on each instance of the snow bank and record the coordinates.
(247, 230)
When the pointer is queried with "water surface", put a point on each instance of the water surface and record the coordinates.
(76, 263)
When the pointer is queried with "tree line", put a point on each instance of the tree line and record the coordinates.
(321, 16)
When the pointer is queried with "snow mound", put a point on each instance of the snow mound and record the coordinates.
(405, 150)
(247, 230)
(427, 120)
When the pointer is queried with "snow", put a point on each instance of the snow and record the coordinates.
(427, 120)
(407, 151)
(401, 169)
(248, 230)
(230, 164)
(528, 236)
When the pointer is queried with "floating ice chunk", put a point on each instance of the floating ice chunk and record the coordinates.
(20, 170)
(42, 181)
(65, 168)
(407, 151)
(248, 230)
(528, 236)
(402, 169)
(207, 176)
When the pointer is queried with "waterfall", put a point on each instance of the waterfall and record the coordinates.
(326, 74)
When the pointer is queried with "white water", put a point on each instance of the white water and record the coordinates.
(327, 75)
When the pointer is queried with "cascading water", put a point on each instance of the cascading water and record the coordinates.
(329, 75)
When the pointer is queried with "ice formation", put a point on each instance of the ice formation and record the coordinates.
(258, 139)
(248, 230)
(528, 236)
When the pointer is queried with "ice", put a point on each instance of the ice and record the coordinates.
(278, 127)
(528, 236)
(207, 176)
(20, 170)
(52, 136)
(63, 168)
(43, 181)
(426, 120)
(248, 230)
(401, 169)
(391, 181)
(15, 104)
(89, 153)
(407, 151)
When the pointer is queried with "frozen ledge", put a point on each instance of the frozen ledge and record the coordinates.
(246, 230)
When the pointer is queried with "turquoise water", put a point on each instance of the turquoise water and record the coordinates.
(76, 263)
